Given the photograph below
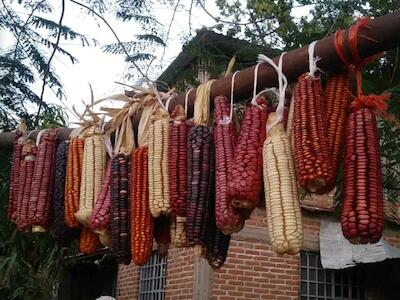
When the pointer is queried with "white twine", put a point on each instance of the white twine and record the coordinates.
(186, 101)
(227, 120)
(168, 102)
(282, 85)
(312, 61)
(102, 127)
(39, 136)
(254, 99)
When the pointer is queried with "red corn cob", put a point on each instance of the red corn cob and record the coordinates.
(14, 178)
(362, 215)
(311, 148)
(42, 182)
(178, 132)
(244, 178)
(88, 241)
(141, 219)
(228, 218)
(29, 151)
(337, 96)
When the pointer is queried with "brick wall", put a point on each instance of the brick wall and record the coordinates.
(128, 282)
(252, 270)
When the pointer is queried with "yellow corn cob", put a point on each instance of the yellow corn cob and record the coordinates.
(94, 160)
(158, 164)
(178, 232)
(281, 196)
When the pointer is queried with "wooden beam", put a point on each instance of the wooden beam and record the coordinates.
(384, 34)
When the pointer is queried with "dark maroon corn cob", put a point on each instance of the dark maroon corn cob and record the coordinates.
(120, 217)
(14, 179)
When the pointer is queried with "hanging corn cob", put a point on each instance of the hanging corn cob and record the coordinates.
(228, 218)
(120, 202)
(14, 176)
(281, 196)
(178, 231)
(61, 233)
(158, 163)
(100, 218)
(93, 165)
(28, 154)
(162, 234)
(141, 219)
(200, 169)
(337, 97)
(245, 175)
(88, 241)
(42, 182)
(311, 149)
(73, 179)
(177, 164)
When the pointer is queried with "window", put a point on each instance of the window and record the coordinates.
(152, 278)
(317, 283)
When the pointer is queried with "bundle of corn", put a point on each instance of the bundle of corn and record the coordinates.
(73, 179)
(61, 233)
(281, 196)
(200, 169)
(162, 234)
(28, 155)
(313, 162)
(228, 218)
(158, 163)
(177, 164)
(88, 241)
(245, 174)
(178, 231)
(14, 175)
(119, 185)
(42, 181)
(362, 216)
(141, 219)
(100, 218)
(93, 165)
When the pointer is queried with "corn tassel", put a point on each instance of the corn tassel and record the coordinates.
(281, 196)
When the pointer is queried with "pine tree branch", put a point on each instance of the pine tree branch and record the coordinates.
(114, 33)
(55, 47)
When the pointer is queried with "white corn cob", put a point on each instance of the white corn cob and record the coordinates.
(158, 164)
(94, 160)
(178, 232)
(281, 196)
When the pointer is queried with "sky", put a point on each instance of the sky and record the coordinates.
(100, 69)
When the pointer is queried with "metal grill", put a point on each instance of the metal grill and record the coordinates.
(317, 283)
(152, 278)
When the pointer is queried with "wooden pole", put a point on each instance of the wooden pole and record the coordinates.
(383, 34)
